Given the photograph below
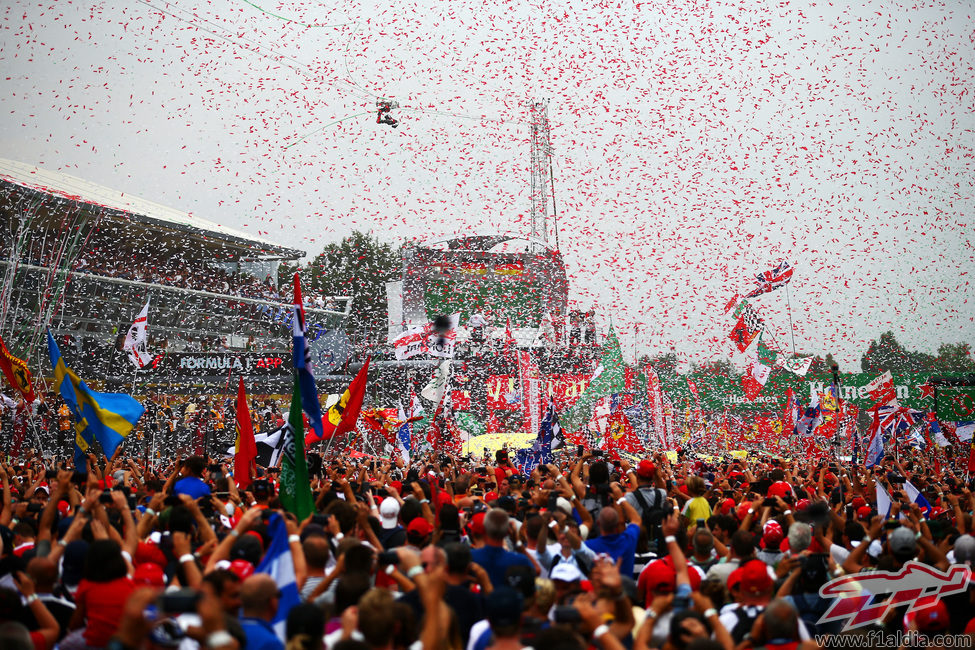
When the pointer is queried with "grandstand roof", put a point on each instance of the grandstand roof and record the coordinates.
(137, 209)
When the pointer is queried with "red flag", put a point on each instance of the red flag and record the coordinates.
(343, 415)
(882, 389)
(17, 374)
(754, 380)
(971, 458)
(620, 437)
(245, 448)
(741, 336)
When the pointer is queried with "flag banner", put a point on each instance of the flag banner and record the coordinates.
(426, 339)
(809, 419)
(765, 354)
(731, 304)
(902, 425)
(620, 440)
(793, 409)
(105, 417)
(434, 391)
(301, 360)
(772, 280)
(137, 338)
(443, 435)
(875, 445)
(882, 389)
(741, 335)
(404, 437)
(606, 380)
(755, 379)
(268, 446)
(549, 439)
(343, 415)
(295, 488)
(530, 381)
(797, 366)
(655, 404)
(279, 564)
(955, 403)
(17, 374)
(245, 447)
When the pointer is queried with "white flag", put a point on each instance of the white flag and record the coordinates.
(435, 389)
(137, 338)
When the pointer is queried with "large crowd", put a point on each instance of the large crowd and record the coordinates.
(474, 553)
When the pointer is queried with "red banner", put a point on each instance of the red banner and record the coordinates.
(504, 400)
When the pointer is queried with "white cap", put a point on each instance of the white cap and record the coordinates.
(389, 512)
(565, 572)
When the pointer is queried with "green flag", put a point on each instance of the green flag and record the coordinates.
(608, 378)
(295, 487)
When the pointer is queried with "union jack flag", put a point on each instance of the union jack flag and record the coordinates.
(771, 280)
(903, 425)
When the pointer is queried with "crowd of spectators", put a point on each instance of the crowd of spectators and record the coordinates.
(476, 553)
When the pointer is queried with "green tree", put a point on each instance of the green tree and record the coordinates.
(954, 357)
(887, 353)
(359, 266)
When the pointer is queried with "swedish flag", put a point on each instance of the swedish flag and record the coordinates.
(106, 417)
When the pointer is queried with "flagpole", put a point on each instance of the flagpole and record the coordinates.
(792, 331)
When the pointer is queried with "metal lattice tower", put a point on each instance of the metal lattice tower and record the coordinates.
(541, 156)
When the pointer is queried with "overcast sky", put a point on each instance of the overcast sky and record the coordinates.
(696, 143)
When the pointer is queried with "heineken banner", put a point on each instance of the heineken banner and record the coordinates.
(718, 392)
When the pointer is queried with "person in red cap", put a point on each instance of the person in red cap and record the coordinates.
(419, 533)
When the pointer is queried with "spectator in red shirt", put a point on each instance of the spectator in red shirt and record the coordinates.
(102, 592)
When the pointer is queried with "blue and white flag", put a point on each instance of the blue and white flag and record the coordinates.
(875, 449)
(915, 496)
(279, 564)
(403, 437)
(302, 364)
(810, 418)
(883, 501)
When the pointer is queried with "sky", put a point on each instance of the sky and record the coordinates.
(695, 143)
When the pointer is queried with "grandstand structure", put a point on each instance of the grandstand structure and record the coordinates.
(83, 260)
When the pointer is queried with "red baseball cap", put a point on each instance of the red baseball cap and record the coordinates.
(657, 577)
(727, 506)
(242, 569)
(779, 489)
(930, 616)
(419, 527)
(149, 552)
(490, 496)
(646, 468)
(755, 578)
(149, 574)
(772, 535)
(858, 502)
(864, 513)
(802, 504)
(477, 524)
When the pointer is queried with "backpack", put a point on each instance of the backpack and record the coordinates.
(652, 514)
(597, 498)
(743, 625)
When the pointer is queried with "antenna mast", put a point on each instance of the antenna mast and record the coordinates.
(541, 160)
